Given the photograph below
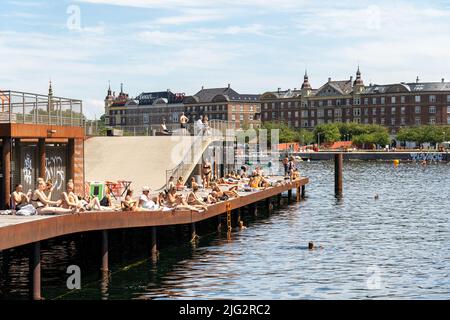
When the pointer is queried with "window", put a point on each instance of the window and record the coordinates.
(374, 111)
(320, 121)
(305, 123)
(296, 123)
(417, 121)
(382, 121)
(305, 104)
(432, 98)
(338, 112)
(448, 98)
(448, 120)
(274, 115)
(383, 100)
(296, 115)
(320, 113)
(356, 112)
(242, 108)
(282, 114)
(338, 102)
(250, 117)
(402, 99)
(374, 100)
(289, 104)
(366, 111)
(312, 103)
(366, 101)
(393, 121)
(393, 100)
(320, 103)
(448, 109)
(304, 113)
(402, 121)
(233, 108)
(329, 103)
(417, 109)
(330, 113)
(347, 112)
(382, 110)
(432, 109)
(265, 106)
(403, 110)
(251, 108)
(417, 98)
(289, 114)
(233, 117)
(312, 113)
(393, 110)
(312, 123)
(241, 117)
(265, 115)
(432, 120)
(347, 102)
(145, 120)
(357, 101)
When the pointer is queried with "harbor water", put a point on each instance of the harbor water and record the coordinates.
(387, 238)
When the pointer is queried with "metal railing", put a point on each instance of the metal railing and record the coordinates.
(31, 108)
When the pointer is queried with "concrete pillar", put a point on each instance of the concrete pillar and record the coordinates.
(6, 157)
(35, 271)
(338, 164)
(41, 150)
(104, 252)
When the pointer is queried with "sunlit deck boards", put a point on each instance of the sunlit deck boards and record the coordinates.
(16, 231)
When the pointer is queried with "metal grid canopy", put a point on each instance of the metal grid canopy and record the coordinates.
(31, 108)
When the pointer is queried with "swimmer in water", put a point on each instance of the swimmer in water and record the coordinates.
(311, 246)
(376, 196)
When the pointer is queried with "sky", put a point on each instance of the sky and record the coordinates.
(182, 45)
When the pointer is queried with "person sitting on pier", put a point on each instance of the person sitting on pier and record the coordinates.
(178, 201)
(170, 183)
(49, 188)
(145, 202)
(259, 171)
(193, 199)
(295, 174)
(43, 204)
(244, 172)
(164, 129)
(19, 199)
(180, 184)
(69, 200)
(128, 204)
(106, 201)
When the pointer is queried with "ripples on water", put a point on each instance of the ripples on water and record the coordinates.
(395, 247)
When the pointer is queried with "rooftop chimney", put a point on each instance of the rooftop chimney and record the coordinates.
(279, 89)
(351, 78)
(443, 80)
(417, 79)
(329, 79)
(202, 87)
(229, 86)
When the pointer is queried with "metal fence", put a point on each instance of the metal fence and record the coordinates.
(31, 108)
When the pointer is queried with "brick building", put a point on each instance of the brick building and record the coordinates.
(239, 110)
(390, 105)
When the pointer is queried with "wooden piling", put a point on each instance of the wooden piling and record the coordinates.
(303, 191)
(193, 232)
(35, 270)
(338, 164)
(297, 194)
(289, 195)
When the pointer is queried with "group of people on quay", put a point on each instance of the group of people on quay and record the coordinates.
(177, 194)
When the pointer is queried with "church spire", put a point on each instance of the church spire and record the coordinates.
(306, 84)
(358, 80)
(50, 89)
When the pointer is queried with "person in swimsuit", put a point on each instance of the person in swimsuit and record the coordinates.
(43, 204)
(206, 173)
(193, 199)
(183, 121)
(19, 198)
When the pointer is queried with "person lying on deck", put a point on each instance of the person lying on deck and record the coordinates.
(178, 201)
(218, 193)
(19, 198)
(194, 199)
(42, 204)
(69, 200)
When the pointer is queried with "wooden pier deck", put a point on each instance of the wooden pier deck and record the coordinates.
(18, 230)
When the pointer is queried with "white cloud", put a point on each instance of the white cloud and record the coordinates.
(190, 16)
(161, 38)
(93, 108)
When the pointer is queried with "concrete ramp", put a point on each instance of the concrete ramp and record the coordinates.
(142, 160)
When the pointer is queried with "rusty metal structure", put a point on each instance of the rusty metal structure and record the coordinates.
(41, 136)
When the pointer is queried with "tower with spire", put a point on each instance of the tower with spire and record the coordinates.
(358, 84)
(306, 86)
(109, 100)
(50, 106)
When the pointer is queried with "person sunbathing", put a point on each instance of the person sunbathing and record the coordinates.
(174, 200)
(69, 200)
(194, 199)
(128, 204)
(19, 198)
(254, 181)
(43, 204)
(218, 193)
